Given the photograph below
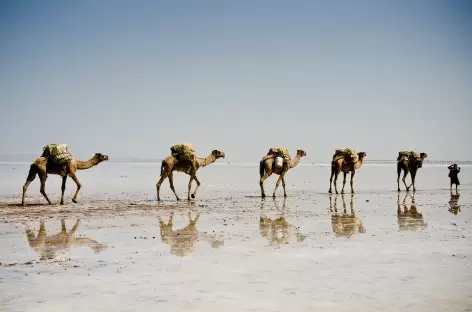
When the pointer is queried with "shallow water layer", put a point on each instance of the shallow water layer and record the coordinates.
(232, 250)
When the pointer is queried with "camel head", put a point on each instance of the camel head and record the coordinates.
(419, 162)
(302, 153)
(218, 154)
(100, 157)
(361, 155)
(98, 248)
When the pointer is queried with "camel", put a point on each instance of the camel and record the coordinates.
(48, 246)
(170, 164)
(454, 206)
(346, 224)
(266, 168)
(278, 231)
(409, 219)
(408, 166)
(183, 241)
(339, 165)
(41, 167)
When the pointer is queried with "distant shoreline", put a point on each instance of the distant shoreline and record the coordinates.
(439, 163)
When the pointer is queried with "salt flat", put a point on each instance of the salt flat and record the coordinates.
(231, 250)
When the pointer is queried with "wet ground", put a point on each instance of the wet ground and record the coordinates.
(120, 250)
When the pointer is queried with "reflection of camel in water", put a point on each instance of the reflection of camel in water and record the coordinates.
(48, 245)
(345, 224)
(278, 231)
(454, 206)
(183, 241)
(410, 219)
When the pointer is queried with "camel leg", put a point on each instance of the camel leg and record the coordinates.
(351, 205)
(277, 185)
(344, 181)
(404, 180)
(29, 179)
(194, 221)
(344, 203)
(352, 181)
(413, 176)
(261, 182)
(399, 171)
(42, 232)
(63, 188)
(331, 180)
(158, 185)
(335, 181)
(75, 227)
(25, 187)
(79, 186)
(283, 185)
(189, 187)
(171, 182)
(43, 178)
(198, 185)
(63, 226)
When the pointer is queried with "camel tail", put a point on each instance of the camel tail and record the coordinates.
(261, 168)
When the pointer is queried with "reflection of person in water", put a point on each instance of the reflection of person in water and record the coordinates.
(454, 175)
(278, 231)
(183, 241)
(345, 224)
(410, 219)
(49, 246)
(454, 206)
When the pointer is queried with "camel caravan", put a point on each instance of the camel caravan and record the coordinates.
(57, 160)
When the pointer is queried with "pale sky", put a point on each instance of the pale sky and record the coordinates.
(132, 78)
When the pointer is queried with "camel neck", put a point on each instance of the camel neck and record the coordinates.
(359, 163)
(82, 165)
(295, 161)
(203, 162)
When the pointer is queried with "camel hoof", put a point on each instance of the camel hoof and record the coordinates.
(285, 195)
(62, 203)
(330, 191)
(263, 195)
(74, 200)
(193, 195)
(274, 196)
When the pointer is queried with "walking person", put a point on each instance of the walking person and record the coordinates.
(453, 175)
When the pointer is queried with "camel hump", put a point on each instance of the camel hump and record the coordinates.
(408, 154)
(55, 149)
(348, 154)
(58, 153)
(279, 151)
